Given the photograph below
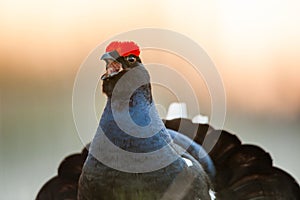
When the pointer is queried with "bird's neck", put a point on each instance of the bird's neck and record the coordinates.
(134, 122)
(137, 107)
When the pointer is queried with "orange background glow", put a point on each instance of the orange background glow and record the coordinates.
(254, 44)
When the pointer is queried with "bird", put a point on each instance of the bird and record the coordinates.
(131, 123)
(185, 169)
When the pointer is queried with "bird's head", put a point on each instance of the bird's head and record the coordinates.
(120, 58)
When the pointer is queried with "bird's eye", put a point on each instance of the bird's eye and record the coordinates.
(131, 59)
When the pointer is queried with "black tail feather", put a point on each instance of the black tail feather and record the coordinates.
(273, 184)
(224, 147)
(65, 184)
(243, 171)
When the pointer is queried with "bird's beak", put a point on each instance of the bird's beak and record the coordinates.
(107, 56)
(113, 67)
(113, 55)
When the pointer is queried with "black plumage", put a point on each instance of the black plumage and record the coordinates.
(65, 184)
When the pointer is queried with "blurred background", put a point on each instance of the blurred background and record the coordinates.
(255, 46)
